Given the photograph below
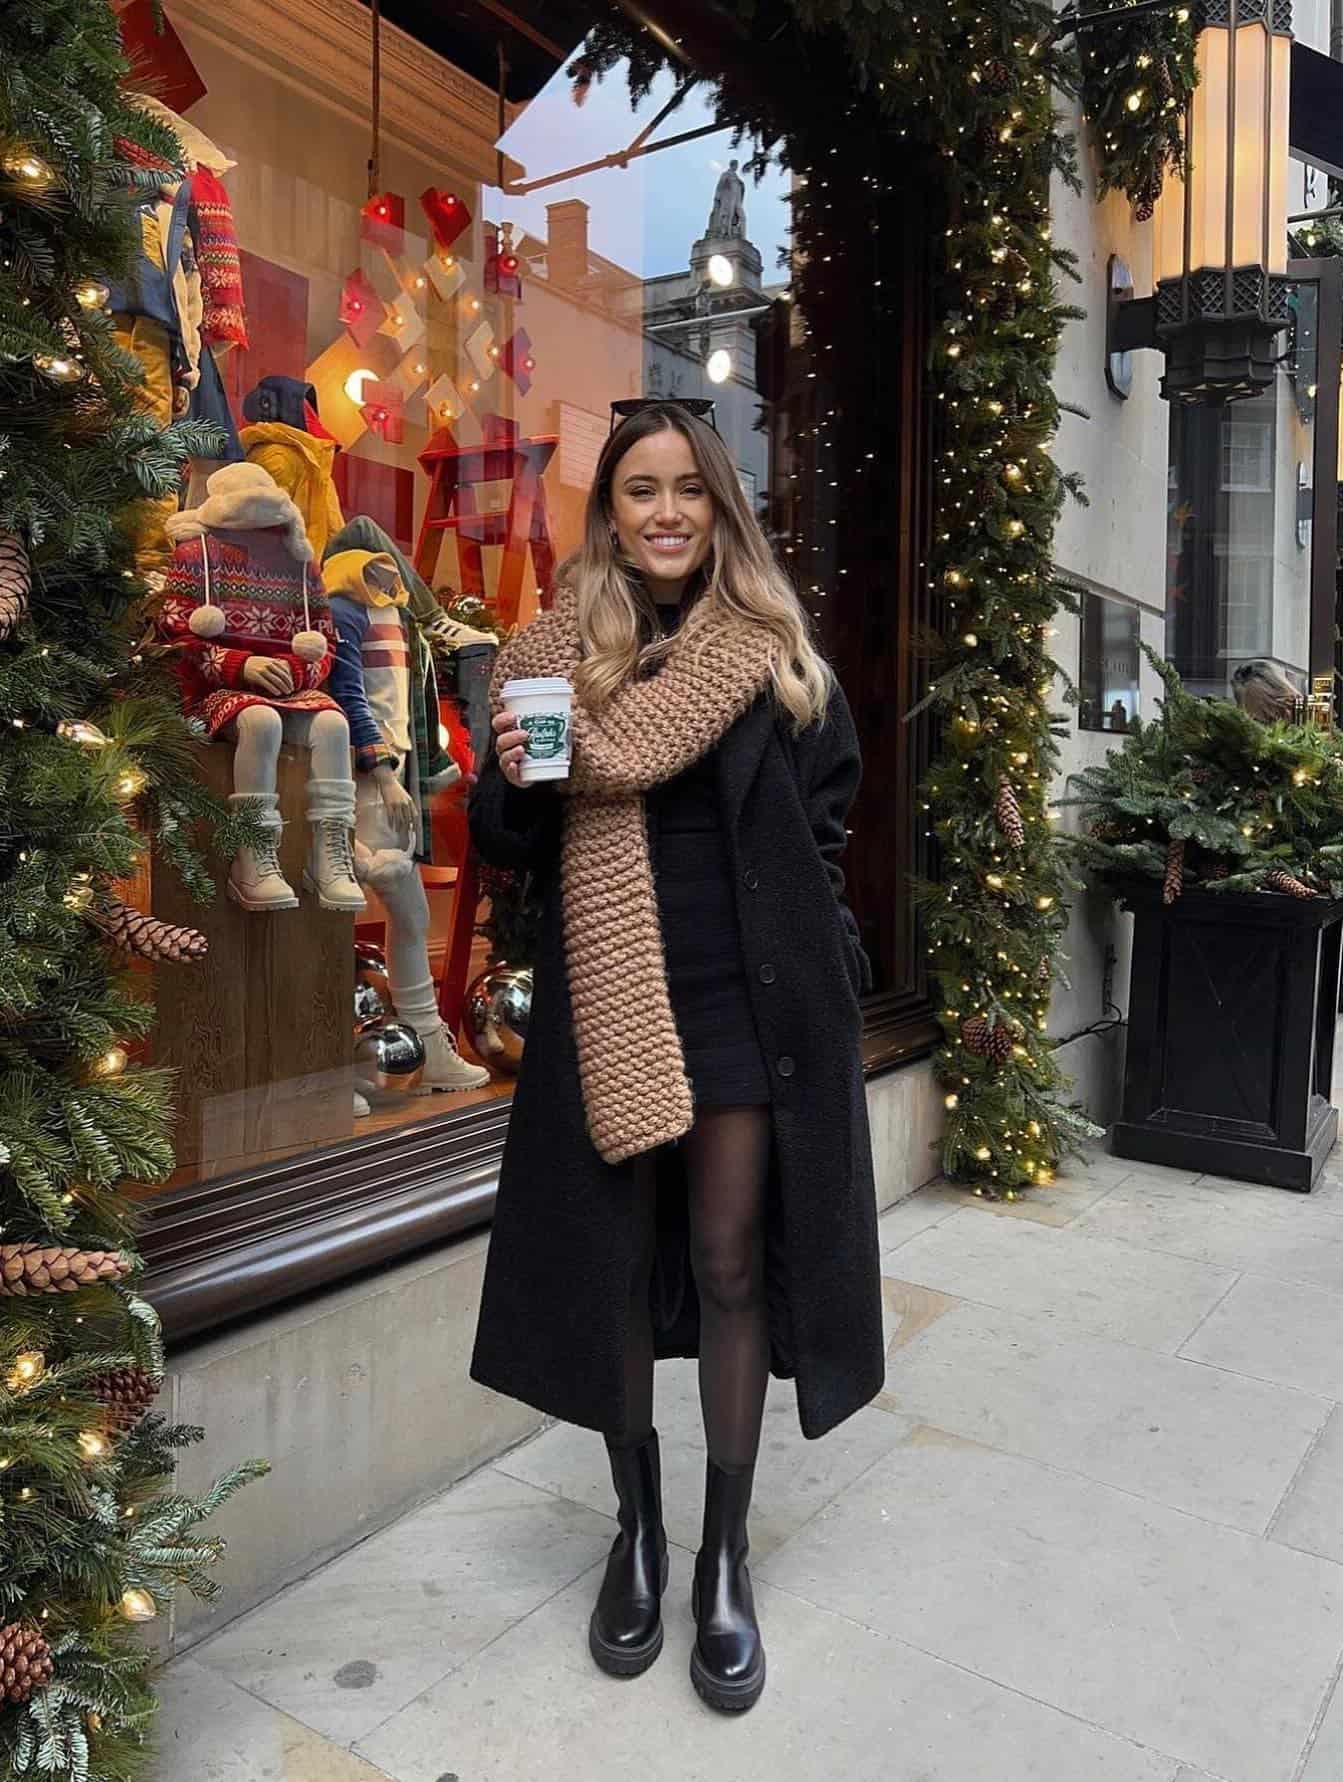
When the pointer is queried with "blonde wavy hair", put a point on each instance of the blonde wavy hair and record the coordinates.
(741, 579)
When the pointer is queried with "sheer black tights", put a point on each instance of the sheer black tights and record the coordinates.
(727, 1168)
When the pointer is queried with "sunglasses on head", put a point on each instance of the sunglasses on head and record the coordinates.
(701, 407)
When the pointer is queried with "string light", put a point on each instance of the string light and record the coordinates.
(27, 168)
(81, 731)
(29, 1367)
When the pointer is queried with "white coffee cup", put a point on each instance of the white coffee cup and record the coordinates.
(543, 708)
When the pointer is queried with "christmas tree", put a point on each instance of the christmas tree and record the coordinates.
(1208, 797)
(95, 770)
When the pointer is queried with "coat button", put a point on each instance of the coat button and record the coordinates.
(767, 974)
(786, 1067)
(751, 879)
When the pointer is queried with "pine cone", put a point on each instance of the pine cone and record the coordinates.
(1278, 880)
(998, 77)
(1016, 266)
(16, 579)
(127, 1393)
(1218, 872)
(1001, 1041)
(1200, 775)
(1165, 86)
(975, 1034)
(1008, 814)
(56, 1268)
(986, 138)
(25, 1662)
(1174, 884)
(139, 933)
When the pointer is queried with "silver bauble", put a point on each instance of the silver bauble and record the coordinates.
(498, 1008)
(372, 993)
(389, 1056)
(368, 1005)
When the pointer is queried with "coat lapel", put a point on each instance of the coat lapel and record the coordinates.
(740, 754)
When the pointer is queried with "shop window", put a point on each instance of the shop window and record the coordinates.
(459, 338)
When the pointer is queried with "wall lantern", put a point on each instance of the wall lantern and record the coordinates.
(1220, 231)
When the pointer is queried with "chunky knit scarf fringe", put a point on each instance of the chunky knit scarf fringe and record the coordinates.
(635, 1090)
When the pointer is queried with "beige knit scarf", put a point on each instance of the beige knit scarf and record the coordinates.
(635, 1090)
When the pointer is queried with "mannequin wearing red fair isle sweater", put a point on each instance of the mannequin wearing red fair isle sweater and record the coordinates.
(250, 631)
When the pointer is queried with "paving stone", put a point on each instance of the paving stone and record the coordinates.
(794, 1477)
(1212, 1443)
(348, 1646)
(1067, 1277)
(1193, 1640)
(1288, 1238)
(1276, 1330)
(209, 1730)
(1325, 1763)
(841, 1701)
(1311, 1514)
(915, 1213)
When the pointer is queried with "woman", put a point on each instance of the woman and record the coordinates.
(688, 1168)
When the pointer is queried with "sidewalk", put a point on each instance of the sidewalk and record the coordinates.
(1091, 1532)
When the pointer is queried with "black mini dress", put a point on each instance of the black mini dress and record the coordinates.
(701, 938)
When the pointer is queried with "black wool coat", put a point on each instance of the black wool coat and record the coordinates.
(556, 1303)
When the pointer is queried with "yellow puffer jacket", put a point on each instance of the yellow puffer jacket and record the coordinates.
(302, 466)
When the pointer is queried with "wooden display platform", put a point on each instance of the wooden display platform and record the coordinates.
(261, 1033)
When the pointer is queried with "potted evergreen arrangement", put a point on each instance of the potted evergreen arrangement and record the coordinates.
(1224, 836)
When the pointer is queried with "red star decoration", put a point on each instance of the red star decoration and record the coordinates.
(382, 221)
(518, 360)
(447, 215)
(361, 309)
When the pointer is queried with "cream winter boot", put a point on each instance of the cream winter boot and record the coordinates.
(330, 868)
(444, 1066)
(255, 880)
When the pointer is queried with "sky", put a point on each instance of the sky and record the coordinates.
(646, 216)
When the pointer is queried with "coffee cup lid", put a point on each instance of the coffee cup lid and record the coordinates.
(547, 683)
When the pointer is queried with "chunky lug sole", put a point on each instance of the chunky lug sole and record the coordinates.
(626, 1661)
(733, 1696)
(261, 903)
(331, 903)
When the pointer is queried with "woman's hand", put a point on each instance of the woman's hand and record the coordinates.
(396, 801)
(268, 675)
(510, 745)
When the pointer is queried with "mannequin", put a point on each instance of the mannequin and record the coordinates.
(247, 620)
(372, 680)
(171, 313)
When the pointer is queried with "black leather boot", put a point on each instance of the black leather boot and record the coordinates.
(625, 1632)
(727, 1664)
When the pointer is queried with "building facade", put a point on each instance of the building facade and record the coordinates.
(463, 316)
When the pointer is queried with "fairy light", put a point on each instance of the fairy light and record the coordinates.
(29, 1367)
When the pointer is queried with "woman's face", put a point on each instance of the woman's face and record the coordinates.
(662, 510)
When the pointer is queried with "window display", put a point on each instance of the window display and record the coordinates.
(407, 389)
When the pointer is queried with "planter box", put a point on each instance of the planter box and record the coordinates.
(1232, 1006)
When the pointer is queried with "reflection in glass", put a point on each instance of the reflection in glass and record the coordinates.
(1238, 522)
(1108, 677)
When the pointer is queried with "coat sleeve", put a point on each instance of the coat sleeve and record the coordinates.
(832, 768)
(517, 828)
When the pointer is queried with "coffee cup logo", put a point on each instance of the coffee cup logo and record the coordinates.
(546, 733)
